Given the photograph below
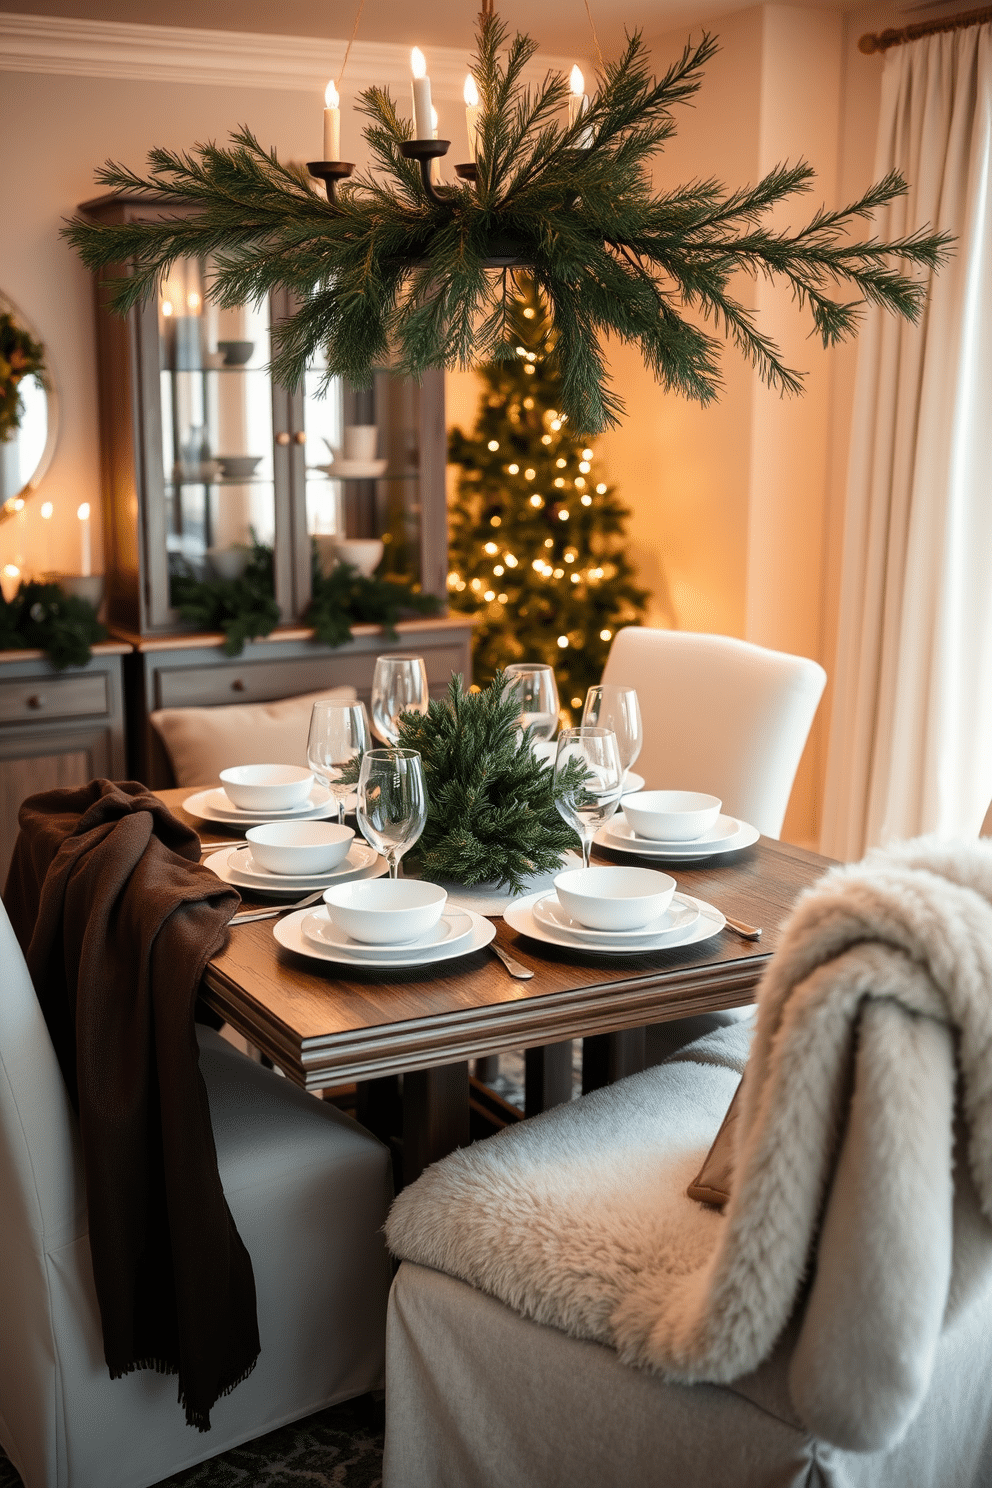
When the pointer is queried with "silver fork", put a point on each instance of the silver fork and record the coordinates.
(246, 916)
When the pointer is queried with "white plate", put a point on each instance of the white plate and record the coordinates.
(550, 912)
(215, 805)
(289, 933)
(618, 836)
(546, 751)
(632, 782)
(520, 917)
(320, 930)
(355, 865)
(354, 469)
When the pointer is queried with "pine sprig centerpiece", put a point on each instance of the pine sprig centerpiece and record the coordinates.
(43, 617)
(391, 273)
(491, 814)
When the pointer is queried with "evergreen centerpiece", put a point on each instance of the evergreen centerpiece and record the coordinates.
(491, 813)
(399, 271)
(43, 617)
(536, 538)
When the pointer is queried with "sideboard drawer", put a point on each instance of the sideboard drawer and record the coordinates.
(37, 698)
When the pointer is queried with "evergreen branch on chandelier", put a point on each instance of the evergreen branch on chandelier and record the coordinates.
(386, 274)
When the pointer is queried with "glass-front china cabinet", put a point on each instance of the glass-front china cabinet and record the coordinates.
(205, 456)
(209, 464)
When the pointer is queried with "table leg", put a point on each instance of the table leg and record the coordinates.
(487, 1069)
(377, 1106)
(547, 1077)
(435, 1116)
(607, 1057)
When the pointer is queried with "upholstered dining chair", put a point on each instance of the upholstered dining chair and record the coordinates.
(308, 1190)
(720, 715)
(568, 1311)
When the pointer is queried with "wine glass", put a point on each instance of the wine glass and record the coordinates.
(392, 802)
(589, 804)
(339, 731)
(534, 684)
(611, 706)
(399, 685)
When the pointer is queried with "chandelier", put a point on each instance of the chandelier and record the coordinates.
(393, 266)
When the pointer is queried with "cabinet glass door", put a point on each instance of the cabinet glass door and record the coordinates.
(216, 422)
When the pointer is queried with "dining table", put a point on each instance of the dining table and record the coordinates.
(324, 1024)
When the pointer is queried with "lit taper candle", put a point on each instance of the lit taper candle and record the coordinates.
(423, 128)
(471, 96)
(86, 555)
(332, 123)
(577, 102)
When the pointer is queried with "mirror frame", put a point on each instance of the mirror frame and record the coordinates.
(8, 508)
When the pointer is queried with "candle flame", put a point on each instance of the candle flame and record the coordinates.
(193, 300)
(418, 63)
(19, 504)
(166, 307)
(83, 511)
(331, 98)
(470, 92)
(576, 82)
(11, 571)
(47, 509)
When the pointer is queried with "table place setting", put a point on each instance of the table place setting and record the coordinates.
(606, 910)
(675, 825)
(389, 923)
(251, 795)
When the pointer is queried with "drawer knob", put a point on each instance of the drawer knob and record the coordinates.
(238, 686)
(300, 436)
(36, 701)
(282, 437)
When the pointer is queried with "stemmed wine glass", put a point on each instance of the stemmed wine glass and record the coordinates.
(590, 803)
(392, 802)
(399, 685)
(339, 731)
(535, 686)
(617, 708)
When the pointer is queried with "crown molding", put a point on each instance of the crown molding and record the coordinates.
(236, 59)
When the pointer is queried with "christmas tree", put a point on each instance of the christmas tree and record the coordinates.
(537, 537)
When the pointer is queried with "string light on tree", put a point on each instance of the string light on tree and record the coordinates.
(565, 583)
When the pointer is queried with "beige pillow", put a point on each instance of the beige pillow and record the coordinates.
(201, 742)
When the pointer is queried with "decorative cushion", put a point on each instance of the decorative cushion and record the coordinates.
(201, 742)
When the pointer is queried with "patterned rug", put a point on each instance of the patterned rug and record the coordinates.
(337, 1448)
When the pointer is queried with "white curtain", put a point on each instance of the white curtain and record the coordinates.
(911, 729)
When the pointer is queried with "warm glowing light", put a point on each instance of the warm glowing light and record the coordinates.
(167, 307)
(498, 570)
(587, 454)
(528, 402)
(476, 583)
(495, 521)
(559, 573)
(529, 474)
(470, 92)
(563, 515)
(47, 509)
(579, 482)
(521, 351)
(587, 501)
(193, 300)
(575, 578)
(545, 438)
(331, 96)
(576, 85)
(606, 635)
(536, 500)
(563, 641)
(559, 483)
(11, 571)
(493, 444)
(601, 490)
(18, 503)
(538, 564)
(584, 466)
(418, 63)
(561, 463)
(556, 424)
(512, 469)
(491, 548)
(569, 557)
(83, 511)
(502, 598)
(489, 594)
(510, 561)
(529, 313)
(528, 368)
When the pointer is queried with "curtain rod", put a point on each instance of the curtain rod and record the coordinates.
(885, 39)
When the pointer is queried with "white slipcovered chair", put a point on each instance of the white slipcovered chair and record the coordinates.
(308, 1190)
(720, 715)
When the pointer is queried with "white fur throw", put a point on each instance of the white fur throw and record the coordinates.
(844, 1194)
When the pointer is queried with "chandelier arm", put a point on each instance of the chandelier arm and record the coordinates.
(426, 152)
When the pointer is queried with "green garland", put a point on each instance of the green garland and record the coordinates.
(245, 608)
(390, 274)
(20, 356)
(42, 617)
(491, 814)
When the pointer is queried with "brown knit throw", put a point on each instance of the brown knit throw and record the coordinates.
(117, 920)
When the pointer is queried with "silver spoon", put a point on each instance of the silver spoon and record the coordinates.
(515, 968)
(248, 915)
(746, 932)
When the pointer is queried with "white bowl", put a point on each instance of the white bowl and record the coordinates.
(267, 787)
(386, 911)
(614, 898)
(671, 816)
(363, 553)
(299, 847)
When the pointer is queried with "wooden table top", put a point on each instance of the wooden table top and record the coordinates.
(326, 1025)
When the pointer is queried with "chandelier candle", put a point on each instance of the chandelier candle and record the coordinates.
(423, 121)
(471, 96)
(332, 123)
(86, 555)
(578, 100)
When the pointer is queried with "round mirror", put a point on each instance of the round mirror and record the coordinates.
(28, 409)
